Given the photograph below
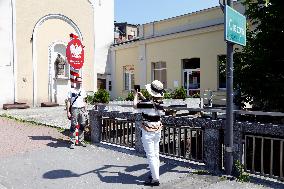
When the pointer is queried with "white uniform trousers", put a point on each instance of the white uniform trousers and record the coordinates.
(151, 141)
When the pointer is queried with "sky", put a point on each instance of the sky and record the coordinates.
(145, 11)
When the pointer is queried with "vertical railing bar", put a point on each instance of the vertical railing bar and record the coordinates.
(245, 154)
(116, 137)
(164, 138)
(281, 159)
(127, 133)
(106, 122)
(169, 139)
(131, 131)
(190, 130)
(120, 133)
(202, 138)
(196, 144)
(124, 132)
(253, 153)
(271, 157)
(174, 141)
(185, 141)
(102, 134)
(262, 142)
(179, 141)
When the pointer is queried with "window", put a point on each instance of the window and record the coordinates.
(159, 72)
(222, 71)
(128, 77)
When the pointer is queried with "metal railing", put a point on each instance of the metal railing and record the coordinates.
(182, 142)
(118, 131)
(264, 156)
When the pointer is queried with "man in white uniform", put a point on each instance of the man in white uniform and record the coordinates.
(76, 111)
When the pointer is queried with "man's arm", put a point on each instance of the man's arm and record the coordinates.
(68, 108)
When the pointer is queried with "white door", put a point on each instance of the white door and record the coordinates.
(191, 81)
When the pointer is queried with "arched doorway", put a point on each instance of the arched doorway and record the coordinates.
(51, 33)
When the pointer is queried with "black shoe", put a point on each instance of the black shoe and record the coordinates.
(83, 144)
(151, 183)
(72, 146)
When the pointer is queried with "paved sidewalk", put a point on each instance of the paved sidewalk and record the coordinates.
(52, 116)
(45, 161)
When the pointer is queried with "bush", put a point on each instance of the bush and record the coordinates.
(196, 95)
(167, 95)
(179, 93)
(130, 96)
(101, 96)
(145, 93)
(90, 99)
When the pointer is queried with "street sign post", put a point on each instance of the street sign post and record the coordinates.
(235, 26)
(75, 57)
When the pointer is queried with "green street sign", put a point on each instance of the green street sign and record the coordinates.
(235, 26)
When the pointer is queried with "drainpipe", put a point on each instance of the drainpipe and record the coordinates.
(13, 7)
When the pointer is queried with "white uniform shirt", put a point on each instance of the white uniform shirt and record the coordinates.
(79, 103)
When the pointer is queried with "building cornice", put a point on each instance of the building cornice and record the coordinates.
(176, 35)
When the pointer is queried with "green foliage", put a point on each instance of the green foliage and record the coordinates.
(167, 95)
(145, 93)
(259, 73)
(130, 96)
(101, 96)
(179, 93)
(242, 175)
(90, 99)
(119, 98)
(196, 95)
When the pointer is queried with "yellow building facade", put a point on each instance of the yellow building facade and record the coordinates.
(182, 51)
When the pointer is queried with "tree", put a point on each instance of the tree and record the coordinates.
(259, 67)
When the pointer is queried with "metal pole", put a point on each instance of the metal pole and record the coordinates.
(229, 110)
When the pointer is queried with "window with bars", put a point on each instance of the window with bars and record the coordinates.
(159, 72)
(128, 79)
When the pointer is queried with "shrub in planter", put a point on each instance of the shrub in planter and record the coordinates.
(101, 96)
(90, 99)
(167, 95)
(179, 93)
(145, 93)
(130, 96)
(196, 95)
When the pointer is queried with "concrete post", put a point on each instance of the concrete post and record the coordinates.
(96, 126)
(212, 150)
(138, 135)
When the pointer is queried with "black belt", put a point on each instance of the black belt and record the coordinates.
(151, 118)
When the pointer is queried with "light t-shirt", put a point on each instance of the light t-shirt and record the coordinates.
(72, 94)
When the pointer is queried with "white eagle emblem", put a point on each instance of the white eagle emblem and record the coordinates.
(76, 51)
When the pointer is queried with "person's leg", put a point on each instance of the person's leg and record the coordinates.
(82, 121)
(73, 126)
(156, 139)
(148, 144)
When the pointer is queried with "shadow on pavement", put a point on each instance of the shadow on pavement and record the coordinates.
(106, 175)
(266, 182)
(55, 143)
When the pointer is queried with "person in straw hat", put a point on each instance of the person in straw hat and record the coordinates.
(151, 110)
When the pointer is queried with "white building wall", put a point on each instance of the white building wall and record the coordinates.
(104, 35)
(6, 53)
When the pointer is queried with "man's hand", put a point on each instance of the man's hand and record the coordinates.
(69, 115)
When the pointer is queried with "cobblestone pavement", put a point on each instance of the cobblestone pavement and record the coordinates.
(52, 116)
(33, 156)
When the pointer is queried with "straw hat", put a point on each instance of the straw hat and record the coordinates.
(155, 89)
